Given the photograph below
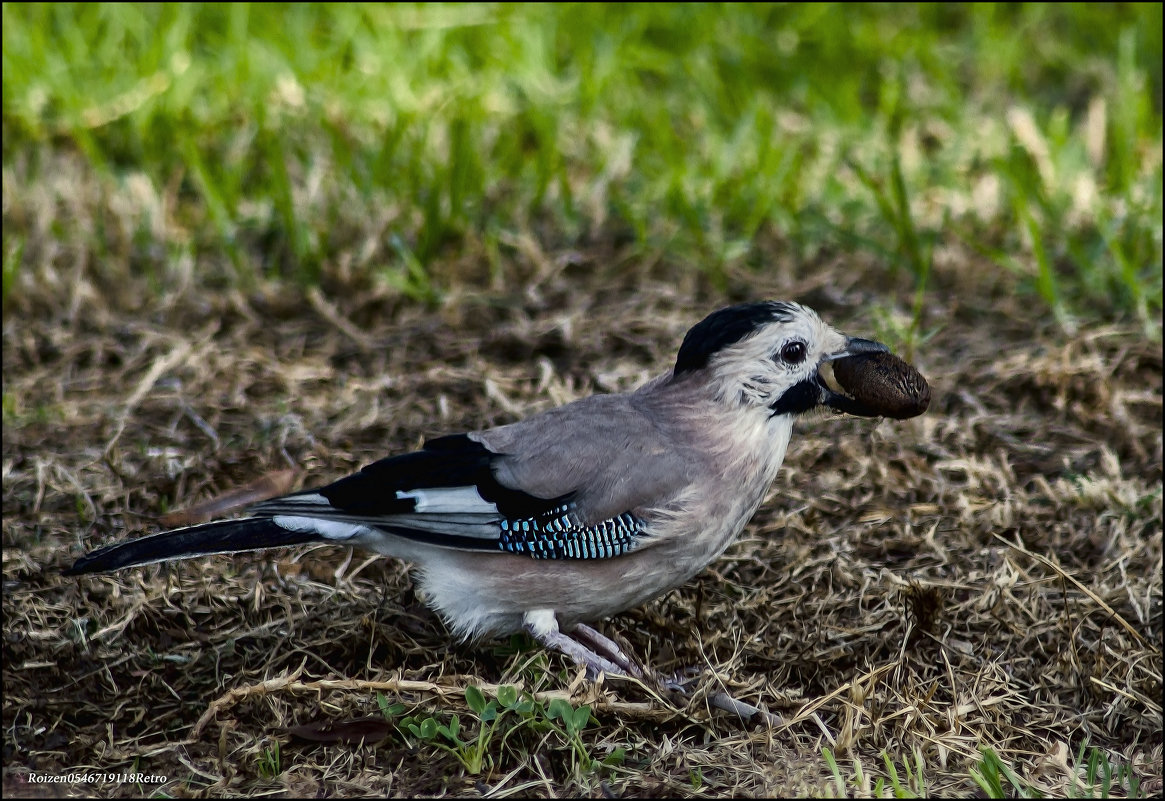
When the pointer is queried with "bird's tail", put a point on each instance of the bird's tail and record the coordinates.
(223, 536)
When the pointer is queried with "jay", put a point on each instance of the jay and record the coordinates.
(593, 507)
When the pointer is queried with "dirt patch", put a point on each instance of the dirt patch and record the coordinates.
(987, 575)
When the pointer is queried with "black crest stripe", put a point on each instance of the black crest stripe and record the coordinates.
(726, 327)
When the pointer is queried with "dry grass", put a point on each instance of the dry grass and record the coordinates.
(987, 575)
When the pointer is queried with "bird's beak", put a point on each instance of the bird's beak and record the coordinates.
(856, 346)
(834, 395)
(863, 378)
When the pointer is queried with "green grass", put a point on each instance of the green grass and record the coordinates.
(1094, 777)
(288, 140)
(502, 724)
(269, 761)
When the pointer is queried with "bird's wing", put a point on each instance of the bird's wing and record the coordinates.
(609, 452)
(573, 483)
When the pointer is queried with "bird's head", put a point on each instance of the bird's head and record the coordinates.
(781, 357)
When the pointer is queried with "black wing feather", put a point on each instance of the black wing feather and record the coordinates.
(221, 536)
(451, 461)
(510, 521)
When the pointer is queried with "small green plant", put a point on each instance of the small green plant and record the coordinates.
(1099, 775)
(990, 772)
(506, 715)
(573, 721)
(914, 785)
(269, 761)
(387, 708)
(903, 334)
(910, 785)
(838, 781)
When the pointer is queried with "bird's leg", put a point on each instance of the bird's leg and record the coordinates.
(543, 626)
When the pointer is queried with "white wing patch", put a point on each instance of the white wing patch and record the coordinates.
(328, 529)
(449, 500)
(308, 501)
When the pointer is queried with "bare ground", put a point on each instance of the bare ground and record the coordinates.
(987, 575)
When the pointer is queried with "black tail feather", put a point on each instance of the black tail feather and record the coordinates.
(223, 536)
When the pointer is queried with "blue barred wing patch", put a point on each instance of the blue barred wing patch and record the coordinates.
(556, 534)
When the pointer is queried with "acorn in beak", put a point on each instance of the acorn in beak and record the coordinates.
(867, 380)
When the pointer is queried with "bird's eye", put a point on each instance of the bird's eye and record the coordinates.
(793, 352)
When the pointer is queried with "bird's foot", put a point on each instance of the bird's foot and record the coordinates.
(600, 654)
(543, 626)
(608, 649)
